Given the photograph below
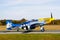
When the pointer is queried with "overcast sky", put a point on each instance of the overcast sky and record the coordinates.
(29, 9)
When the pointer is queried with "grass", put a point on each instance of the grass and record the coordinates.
(47, 27)
(29, 36)
(2, 27)
(32, 36)
(50, 27)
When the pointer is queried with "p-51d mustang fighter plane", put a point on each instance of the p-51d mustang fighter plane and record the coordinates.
(29, 25)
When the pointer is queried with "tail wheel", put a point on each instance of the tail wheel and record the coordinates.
(17, 28)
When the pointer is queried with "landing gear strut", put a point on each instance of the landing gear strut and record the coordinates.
(42, 29)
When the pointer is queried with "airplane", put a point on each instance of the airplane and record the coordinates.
(30, 24)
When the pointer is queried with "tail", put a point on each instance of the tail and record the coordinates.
(9, 24)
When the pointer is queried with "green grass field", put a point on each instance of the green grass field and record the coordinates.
(29, 36)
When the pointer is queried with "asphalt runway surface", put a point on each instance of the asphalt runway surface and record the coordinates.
(31, 32)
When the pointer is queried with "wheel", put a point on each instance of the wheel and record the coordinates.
(43, 30)
(17, 28)
(25, 27)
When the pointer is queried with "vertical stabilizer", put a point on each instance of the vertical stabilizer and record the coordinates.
(9, 24)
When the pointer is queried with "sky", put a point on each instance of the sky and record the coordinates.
(29, 9)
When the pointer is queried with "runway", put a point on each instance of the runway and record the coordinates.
(33, 32)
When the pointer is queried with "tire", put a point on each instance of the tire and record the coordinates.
(25, 27)
(17, 29)
(43, 30)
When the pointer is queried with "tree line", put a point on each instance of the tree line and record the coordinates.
(3, 22)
